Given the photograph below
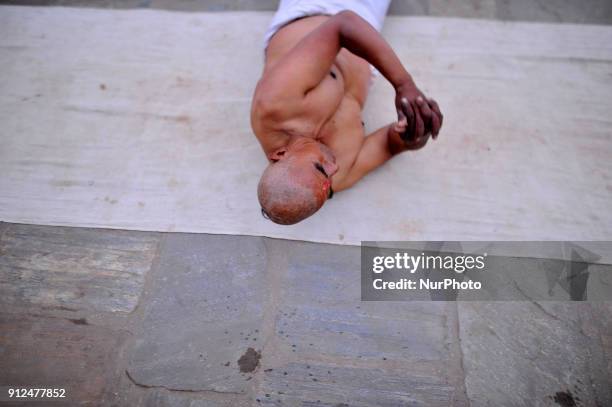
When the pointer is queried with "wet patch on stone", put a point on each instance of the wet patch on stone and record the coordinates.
(249, 361)
(564, 399)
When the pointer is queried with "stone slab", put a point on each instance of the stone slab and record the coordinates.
(395, 353)
(58, 353)
(533, 354)
(321, 305)
(73, 268)
(163, 398)
(205, 310)
(581, 12)
(300, 384)
(585, 12)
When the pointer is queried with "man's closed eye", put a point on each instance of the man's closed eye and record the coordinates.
(320, 168)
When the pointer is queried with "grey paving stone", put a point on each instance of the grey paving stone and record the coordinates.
(300, 384)
(464, 8)
(321, 318)
(564, 11)
(206, 309)
(409, 7)
(163, 398)
(215, 5)
(529, 354)
(321, 305)
(74, 269)
(58, 353)
(556, 11)
(598, 325)
(119, 4)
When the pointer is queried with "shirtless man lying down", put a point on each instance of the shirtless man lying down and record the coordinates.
(307, 106)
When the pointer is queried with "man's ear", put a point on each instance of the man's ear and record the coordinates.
(277, 154)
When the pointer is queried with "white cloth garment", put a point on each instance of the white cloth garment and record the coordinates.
(373, 11)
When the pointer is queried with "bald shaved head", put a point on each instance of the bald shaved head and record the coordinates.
(283, 198)
(297, 181)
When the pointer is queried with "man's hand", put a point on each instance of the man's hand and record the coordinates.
(402, 130)
(422, 116)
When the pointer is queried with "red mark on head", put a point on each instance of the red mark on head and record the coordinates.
(326, 184)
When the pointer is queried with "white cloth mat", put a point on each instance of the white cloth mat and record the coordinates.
(140, 120)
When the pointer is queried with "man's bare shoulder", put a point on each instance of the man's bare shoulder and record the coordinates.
(275, 109)
(330, 111)
(289, 36)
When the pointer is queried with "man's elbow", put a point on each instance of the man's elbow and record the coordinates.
(346, 15)
(343, 19)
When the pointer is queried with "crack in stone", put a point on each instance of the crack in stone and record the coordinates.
(459, 349)
(171, 389)
(567, 324)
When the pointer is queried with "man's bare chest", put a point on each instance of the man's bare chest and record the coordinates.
(344, 133)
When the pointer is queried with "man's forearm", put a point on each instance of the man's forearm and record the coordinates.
(359, 37)
(423, 116)
(378, 147)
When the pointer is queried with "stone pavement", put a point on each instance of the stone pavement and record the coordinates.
(557, 11)
(124, 318)
(134, 319)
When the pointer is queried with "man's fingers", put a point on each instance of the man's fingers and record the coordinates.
(436, 118)
(424, 108)
(400, 115)
(408, 112)
(399, 127)
(428, 116)
(401, 124)
(410, 122)
(435, 126)
(436, 109)
(400, 110)
(419, 126)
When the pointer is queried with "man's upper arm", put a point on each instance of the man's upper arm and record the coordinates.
(303, 67)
